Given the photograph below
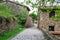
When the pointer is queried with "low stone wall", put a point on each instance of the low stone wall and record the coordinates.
(57, 26)
(7, 25)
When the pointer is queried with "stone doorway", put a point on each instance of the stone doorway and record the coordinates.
(51, 28)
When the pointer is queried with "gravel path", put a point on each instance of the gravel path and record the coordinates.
(29, 34)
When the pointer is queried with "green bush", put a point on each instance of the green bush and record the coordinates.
(12, 33)
(22, 16)
(34, 16)
(6, 12)
(57, 14)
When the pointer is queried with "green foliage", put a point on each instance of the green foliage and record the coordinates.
(57, 7)
(34, 16)
(28, 2)
(12, 33)
(51, 1)
(43, 1)
(57, 12)
(22, 16)
(57, 16)
(6, 13)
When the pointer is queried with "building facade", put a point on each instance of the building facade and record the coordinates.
(48, 24)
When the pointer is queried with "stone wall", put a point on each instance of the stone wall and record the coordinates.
(7, 25)
(57, 26)
(44, 20)
(4, 26)
(16, 8)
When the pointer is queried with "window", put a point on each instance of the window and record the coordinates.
(51, 28)
(52, 13)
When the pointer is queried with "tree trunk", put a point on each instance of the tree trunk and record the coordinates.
(38, 20)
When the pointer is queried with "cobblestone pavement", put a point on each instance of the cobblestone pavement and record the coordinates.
(29, 34)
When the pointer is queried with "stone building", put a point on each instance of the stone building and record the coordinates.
(44, 20)
(46, 23)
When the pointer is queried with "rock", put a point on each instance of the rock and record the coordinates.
(29, 22)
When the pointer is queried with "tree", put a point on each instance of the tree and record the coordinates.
(34, 16)
(22, 16)
(38, 3)
(51, 2)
